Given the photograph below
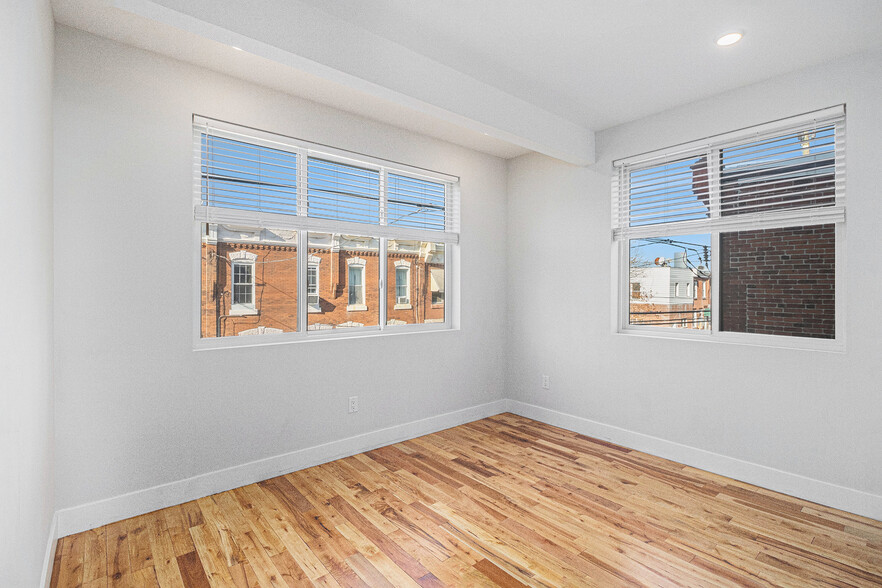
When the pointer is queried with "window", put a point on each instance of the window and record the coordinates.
(413, 298)
(242, 282)
(402, 285)
(299, 240)
(437, 278)
(312, 284)
(356, 285)
(736, 237)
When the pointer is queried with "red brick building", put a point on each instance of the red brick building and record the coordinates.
(777, 281)
(249, 281)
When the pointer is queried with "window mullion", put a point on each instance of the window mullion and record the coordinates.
(384, 197)
(713, 171)
(302, 183)
(716, 262)
(383, 281)
(302, 281)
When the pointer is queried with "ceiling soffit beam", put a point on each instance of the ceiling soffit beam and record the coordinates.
(415, 81)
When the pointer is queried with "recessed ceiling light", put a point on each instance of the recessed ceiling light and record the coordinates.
(239, 48)
(729, 39)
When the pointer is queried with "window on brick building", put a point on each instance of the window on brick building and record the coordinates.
(751, 220)
(312, 287)
(402, 285)
(437, 280)
(299, 240)
(242, 283)
(356, 288)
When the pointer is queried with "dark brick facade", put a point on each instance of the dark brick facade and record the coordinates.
(779, 281)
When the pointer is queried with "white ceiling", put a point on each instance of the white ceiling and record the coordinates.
(501, 76)
(601, 63)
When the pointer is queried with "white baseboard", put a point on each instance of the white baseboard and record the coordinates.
(49, 560)
(847, 499)
(95, 514)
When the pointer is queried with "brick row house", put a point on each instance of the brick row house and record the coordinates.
(249, 281)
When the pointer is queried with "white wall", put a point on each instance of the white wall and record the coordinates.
(26, 438)
(800, 413)
(136, 406)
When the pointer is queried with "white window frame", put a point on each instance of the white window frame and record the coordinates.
(407, 304)
(835, 215)
(245, 259)
(304, 224)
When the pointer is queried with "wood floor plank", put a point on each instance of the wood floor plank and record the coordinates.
(118, 566)
(192, 572)
(56, 564)
(140, 552)
(504, 501)
(72, 554)
(165, 561)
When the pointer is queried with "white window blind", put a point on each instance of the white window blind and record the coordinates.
(780, 174)
(254, 178)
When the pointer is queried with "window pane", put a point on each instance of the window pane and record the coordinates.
(401, 285)
(356, 291)
(779, 281)
(343, 192)
(669, 192)
(248, 177)
(424, 282)
(661, 271)
(348, 277)
(253, 297)
(796, 170)
(415, 203)
(312, 288)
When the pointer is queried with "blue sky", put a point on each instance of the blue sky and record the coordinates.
(665, 192)
(254, 177)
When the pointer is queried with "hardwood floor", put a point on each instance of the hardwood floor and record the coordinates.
(504, 501)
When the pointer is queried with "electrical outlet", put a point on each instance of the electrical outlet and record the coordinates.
(353, 404)
(546, 382)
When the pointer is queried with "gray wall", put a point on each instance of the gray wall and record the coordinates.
(137, 407)
(814, 414)
(26, 437)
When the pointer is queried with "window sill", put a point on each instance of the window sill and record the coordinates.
(769, 341)
(320, 334)
(243, 311)
(314, 309)
(403, 307)
(356, 307)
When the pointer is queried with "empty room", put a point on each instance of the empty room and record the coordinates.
(385, 293)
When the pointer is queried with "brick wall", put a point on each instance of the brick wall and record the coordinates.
(275, 292)
(779, 281)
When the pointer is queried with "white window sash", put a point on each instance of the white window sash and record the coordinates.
(716, 224)
(304, 224)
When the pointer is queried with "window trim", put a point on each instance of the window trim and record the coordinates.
(835, 215)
